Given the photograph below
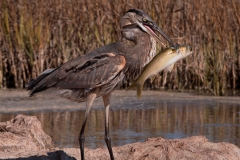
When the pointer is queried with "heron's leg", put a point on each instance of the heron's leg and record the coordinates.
(106, 100)
(81, 138)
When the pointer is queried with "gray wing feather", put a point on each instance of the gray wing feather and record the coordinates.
(88, 71)
(94, 74)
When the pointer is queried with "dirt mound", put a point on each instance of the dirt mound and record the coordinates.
(24, 137)
(196, 147)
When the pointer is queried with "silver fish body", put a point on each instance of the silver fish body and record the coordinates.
(163, 60)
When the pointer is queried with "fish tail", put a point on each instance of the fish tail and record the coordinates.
(139, 87)
(139, 90)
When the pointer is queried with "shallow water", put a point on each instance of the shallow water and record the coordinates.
(168, 115)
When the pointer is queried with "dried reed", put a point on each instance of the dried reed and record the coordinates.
(35, 35)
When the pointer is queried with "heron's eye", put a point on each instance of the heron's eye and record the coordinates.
(144, 19)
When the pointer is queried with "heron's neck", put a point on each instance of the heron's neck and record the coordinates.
(152, 51)
(146, 47)
(138, 56)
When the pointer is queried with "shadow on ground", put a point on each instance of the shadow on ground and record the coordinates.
(59, 155)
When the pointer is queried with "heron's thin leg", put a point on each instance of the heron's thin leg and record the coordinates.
(90, 99)
(106, 100)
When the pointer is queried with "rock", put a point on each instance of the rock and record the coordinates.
(24, 137)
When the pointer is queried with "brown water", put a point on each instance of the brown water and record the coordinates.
(164, 114)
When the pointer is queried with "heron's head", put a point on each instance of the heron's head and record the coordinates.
(135, 19)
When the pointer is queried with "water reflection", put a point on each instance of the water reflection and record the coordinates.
(219, 122)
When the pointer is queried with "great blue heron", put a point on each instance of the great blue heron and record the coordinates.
(104, 69)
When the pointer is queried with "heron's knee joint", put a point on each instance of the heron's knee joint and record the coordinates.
(108, 139)
(81, 138)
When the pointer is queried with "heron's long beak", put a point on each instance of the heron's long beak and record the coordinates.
(151, 27)
(156, 28)
(153, 34)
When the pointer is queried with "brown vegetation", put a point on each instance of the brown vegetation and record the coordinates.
(35, 35)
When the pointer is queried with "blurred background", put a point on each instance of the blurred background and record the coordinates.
(37, 34)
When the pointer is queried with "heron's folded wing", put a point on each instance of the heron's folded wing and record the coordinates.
(95, 72)
(88, 71)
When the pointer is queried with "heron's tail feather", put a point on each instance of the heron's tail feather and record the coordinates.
(38, 84)
(139, 87)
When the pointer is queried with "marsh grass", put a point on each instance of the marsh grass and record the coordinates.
(36, 35)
